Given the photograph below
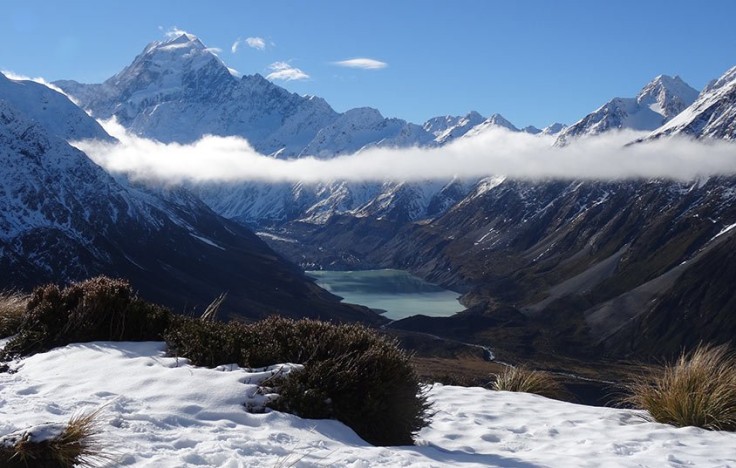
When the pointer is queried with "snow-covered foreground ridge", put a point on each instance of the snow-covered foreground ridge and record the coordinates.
(159, 411)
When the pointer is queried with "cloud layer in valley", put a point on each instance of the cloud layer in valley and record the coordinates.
(495, 152)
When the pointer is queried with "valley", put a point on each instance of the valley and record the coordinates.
(564, 273)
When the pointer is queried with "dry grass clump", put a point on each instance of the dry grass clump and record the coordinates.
(698, 389)
(76, 444)
(100, 308)
(522, 379)
(12, 307)
(351, 373)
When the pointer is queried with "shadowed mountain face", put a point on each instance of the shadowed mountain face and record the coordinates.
(64, 218)
(585, 269)
(638, 268)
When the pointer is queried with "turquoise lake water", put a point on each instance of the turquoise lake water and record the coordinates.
(397, 292)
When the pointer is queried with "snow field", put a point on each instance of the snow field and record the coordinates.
(159, 411)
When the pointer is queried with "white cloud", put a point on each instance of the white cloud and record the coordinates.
(255, 42)
(284, 71)
(495, 152)
(252, 42)
(174, 32)
(362, 63)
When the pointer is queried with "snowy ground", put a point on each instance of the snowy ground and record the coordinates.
(160, 412)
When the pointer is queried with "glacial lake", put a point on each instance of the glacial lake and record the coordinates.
(397, 292)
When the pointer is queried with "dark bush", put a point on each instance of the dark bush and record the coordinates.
(351, 373)
(205, 343)
(97, 309)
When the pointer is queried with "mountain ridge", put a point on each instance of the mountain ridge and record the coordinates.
(65, 218)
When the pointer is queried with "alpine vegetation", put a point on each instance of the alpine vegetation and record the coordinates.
(12, 307)
(698, 389)
(75, 443)
(350, 373)
(522, 379)
(97, 309)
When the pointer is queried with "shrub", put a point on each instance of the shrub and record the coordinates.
(522, 379)
(351, 373)
(205, 343)
(12, 307)
(97, 309)
(51, 446)
(698, 389)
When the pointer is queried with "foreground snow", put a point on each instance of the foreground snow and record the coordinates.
(160, 411)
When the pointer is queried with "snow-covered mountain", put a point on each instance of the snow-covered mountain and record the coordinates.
(179, 90)
(554, 129)
(361, 128)
(494, 121)
(657, 103)
(64, 218)
(532, 130)
(712, 115)
(51, 109)
(447, 128)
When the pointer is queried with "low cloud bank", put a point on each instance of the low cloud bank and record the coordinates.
(495, 152)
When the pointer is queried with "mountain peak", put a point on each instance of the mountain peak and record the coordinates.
(658, 102)
(499, 120)
(184, 38)
(666, 88)
(178, 66)
(712, 115)
(554, 129)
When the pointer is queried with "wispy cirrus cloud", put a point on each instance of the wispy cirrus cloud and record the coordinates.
(362, 63)
(285, 72)
(253, 42)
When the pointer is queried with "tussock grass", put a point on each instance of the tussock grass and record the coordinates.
(12, 307)
(351, 373)
(76, 444)
(522, 379)
(698, 389)
(100, 308)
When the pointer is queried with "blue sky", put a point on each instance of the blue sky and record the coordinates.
(535, 62)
